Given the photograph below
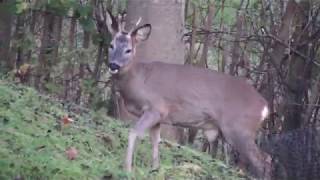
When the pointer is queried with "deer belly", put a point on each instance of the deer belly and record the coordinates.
(134, 109)
(188, 118)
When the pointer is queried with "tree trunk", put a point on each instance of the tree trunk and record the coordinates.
(191, 58)
(86, 44)
(17, 51)
(45, 55)
(299, 69)
(166, 17)
(207, 40)
(165, 42)
(5, 34)
(34, 17)
(68, 70)
(50, 39)
(236, 44)
(57, 37)
(98, 65)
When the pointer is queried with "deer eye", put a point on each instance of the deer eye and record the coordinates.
(128, 51)
(111, 46)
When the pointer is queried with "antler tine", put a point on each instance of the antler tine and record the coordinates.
(121, 21)
(137, 24)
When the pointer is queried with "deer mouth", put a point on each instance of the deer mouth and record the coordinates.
(114, 68)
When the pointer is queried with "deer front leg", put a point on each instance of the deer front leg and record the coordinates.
(148, 120)
(155, 140)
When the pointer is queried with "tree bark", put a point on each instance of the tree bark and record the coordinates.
(315, 94)
(299, 69)
(57, 37)
(5, 34)
(34, 17)
(207, 40)
(165, 42)
(86, 44)
(190, 57)
(235, 57)
(48, 56)
(45, 55)
(17, 50)
(68, 70)
(167, 19)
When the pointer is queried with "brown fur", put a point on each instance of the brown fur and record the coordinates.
(160, 93)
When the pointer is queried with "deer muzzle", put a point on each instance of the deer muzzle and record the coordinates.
(114, 68)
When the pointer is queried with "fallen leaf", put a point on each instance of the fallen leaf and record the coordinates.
(66, 120)
(72, 153)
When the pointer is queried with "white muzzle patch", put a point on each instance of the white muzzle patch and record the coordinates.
(113, 71)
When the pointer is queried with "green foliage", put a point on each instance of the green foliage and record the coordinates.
(84, 13)
(33, 144)
(60, 7)
(13, 6)
(97, 38)
(87, 23)
(25, 42)
(53, 88)
(21, 6)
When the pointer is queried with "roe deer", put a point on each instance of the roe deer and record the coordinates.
(185, 96)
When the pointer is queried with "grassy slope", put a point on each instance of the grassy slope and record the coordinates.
(33, 146)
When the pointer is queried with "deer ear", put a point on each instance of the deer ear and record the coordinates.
(112, 23)
(141, 33)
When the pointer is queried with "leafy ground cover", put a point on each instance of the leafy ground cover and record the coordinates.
(36, 137)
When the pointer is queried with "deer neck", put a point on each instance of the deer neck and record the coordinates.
(131, 85)
(124, 72)
(123, 79)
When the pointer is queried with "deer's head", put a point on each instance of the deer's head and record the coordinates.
(122, 46)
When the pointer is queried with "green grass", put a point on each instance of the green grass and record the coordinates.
(33, 144)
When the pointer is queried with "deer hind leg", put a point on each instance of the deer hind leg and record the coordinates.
(260, 161)
(155, 140)
(148, 120)
(244, 142)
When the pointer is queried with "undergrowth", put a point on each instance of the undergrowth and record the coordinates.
(33, 144)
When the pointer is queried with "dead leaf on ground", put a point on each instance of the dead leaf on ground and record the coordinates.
(72, 153)
(66, 120)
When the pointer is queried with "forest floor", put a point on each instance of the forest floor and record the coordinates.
(43, 138)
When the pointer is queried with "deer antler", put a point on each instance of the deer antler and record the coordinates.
(137, 24)
(121, 21)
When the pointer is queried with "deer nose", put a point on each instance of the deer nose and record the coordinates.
(114, 66)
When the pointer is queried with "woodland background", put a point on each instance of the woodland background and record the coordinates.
(60, 48)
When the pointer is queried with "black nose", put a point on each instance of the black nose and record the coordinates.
(114, 66)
